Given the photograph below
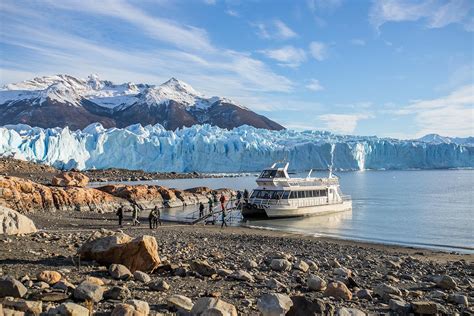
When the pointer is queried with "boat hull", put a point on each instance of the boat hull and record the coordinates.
(288, 211)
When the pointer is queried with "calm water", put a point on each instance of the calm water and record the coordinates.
(430, 208)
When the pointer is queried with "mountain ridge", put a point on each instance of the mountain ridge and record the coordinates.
(63, 100)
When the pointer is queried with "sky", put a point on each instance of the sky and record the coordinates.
(391, 68)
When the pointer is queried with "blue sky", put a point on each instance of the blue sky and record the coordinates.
(394, 68)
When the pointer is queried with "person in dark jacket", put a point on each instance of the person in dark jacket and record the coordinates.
(211, 205)
(119, 214)
(151, 219)
(246, 196)
(222, 200)
(201, 209)
(223, 219)
(135, 210)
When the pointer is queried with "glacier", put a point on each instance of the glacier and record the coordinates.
(205, 148)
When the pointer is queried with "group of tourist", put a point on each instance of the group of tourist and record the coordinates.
(154, 218)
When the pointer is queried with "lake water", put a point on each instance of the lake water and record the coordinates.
(429, 208)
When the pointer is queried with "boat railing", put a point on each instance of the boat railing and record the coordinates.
(346, 197)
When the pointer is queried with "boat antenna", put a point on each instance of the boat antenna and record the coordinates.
(333, 147)
(309, 173)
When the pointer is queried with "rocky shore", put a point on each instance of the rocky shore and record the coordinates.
(205, 270)
(43, 174)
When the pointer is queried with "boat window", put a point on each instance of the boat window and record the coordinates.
(311, 193)
(286, 194)
(322, 192)
(255, 193)
(277, 195)
(280, 174)
(293, 195)
(268, 174)
(300, 194)
(315, 193)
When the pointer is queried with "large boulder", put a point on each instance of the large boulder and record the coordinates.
(14, 223)
(24, 195)
(70, 179)
(107, 247)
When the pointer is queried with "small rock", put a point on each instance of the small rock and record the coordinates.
(94, 280)
(312, 265)
(180, 302)
(202, 267)
(124, 310)
(301, 265)
(274, 304)
(159, 285)
(274, 284)
(445, 282)
(344, 311)
(119, 272)
(364, 294)
(315, 283)
(140, 306)
(41, 285)
(9, 286)
(242, 275)
(342, 272)
(425, 307)
(141, 276)
(338, 290)
(251, 264)
(458, 299)
(89, 291)
(302, 306)
(280, 265)
(72, 309)
(120, 293)
(64, 285)
(384, 290)
(27, 307)
(224, 272)
(400, 307)
(213, 306)
(50, 277)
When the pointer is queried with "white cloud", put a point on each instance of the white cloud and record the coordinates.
(210, 2)
(436, 13)
(318, 50)
(314, 85)
(168, 31)
(287, 55)
(316, 5)
(452, 115)
(283, 31)
(232, 13)
(343, 123)
(358, 42)
(215, 70)
(275, 30)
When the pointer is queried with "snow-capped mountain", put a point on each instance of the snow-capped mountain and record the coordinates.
(63, 100)
(208, 148)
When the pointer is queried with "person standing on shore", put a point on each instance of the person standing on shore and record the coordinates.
(223, 219)
(135, 209)
(158, 216)
(119, 213)
(222, 200)
(201, 209)
(246, 196)
(211, 205)
(152, 219)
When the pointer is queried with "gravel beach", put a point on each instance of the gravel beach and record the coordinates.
(257, 271)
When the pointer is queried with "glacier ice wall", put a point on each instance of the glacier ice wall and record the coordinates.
(212, 149)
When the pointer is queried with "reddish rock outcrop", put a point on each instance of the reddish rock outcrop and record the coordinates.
(147, 196)
(70, 179)
(108, 247)
(27, 196)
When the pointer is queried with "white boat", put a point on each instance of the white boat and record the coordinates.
(277, 195)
